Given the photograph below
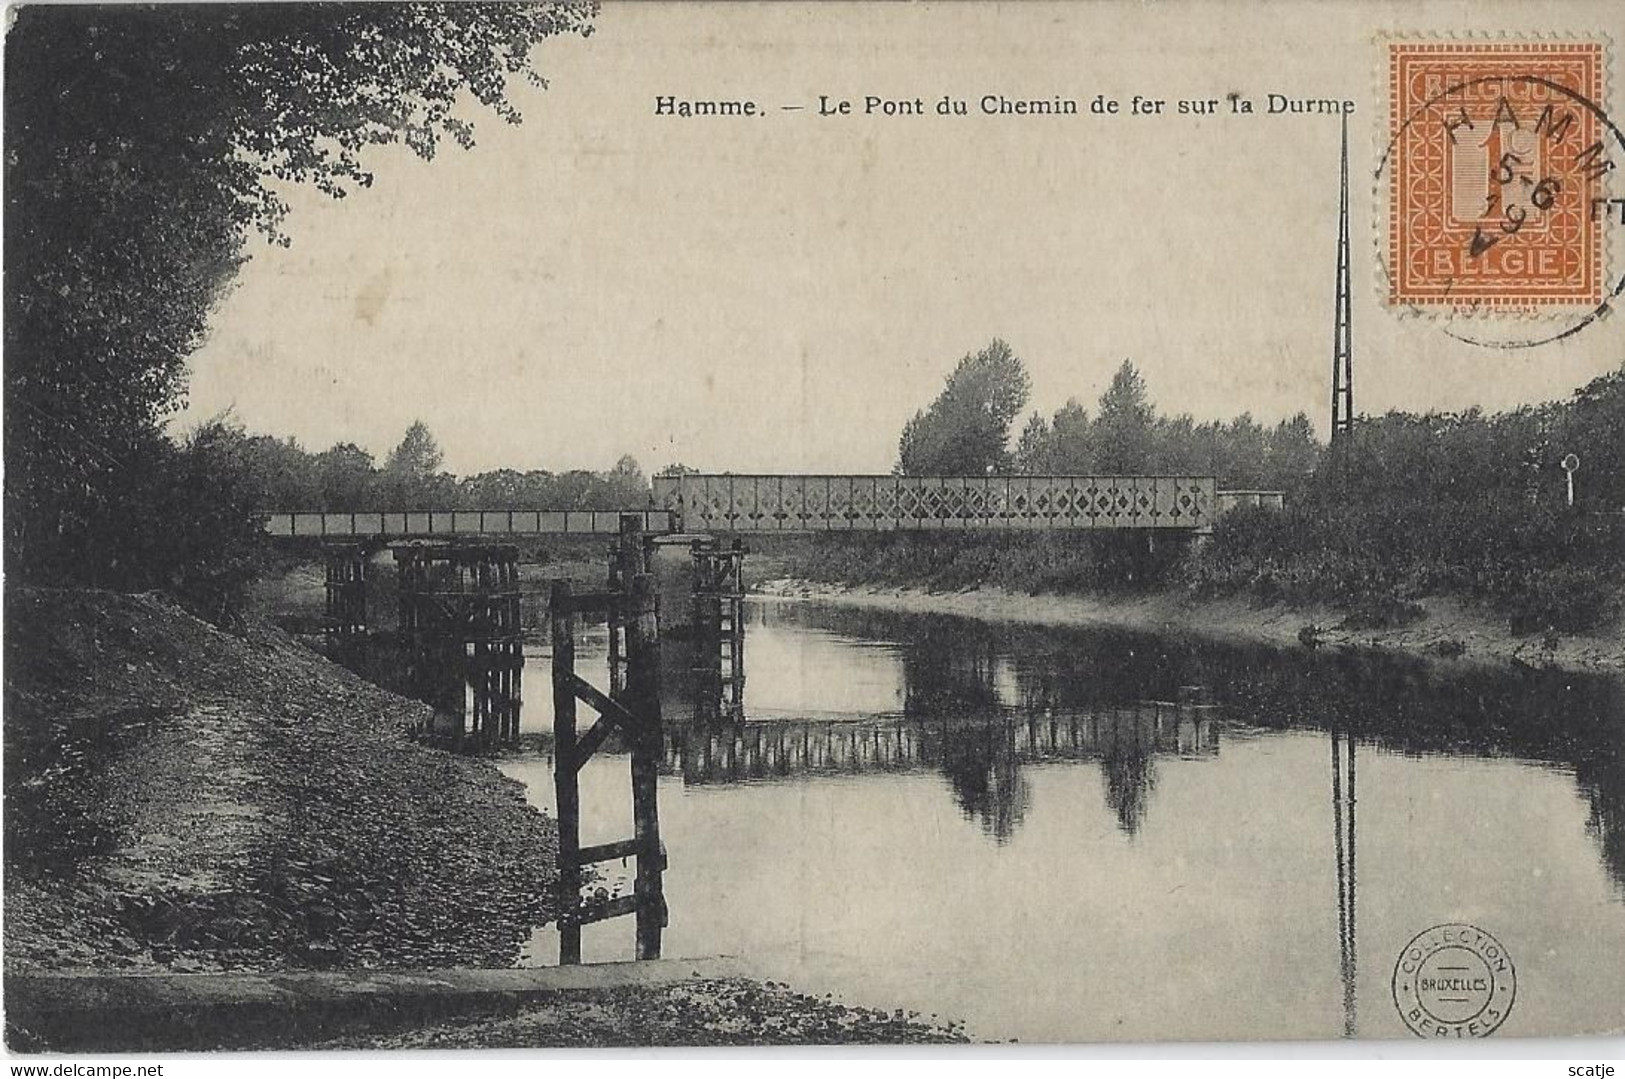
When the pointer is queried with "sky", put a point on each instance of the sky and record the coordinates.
(780, 293)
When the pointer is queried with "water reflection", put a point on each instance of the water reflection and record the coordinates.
(972, 691)
(1607, 821)
(1148, 814)
(1130, 776)
(1343, 778)
(981, 765)
(961, 667)
(954, 695)
(980, 755)
(939, 699)
(836, 689)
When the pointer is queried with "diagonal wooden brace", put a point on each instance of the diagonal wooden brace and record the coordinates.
(611, 714)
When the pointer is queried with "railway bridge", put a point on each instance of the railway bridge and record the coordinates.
(757, 504)
(459, 566)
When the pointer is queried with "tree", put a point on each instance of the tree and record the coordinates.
(966, 430)
(1035, 449)
(1126, 400)
(1292, 453)
(627, 487)
(279, 471)
(1592, 427)
(144, 143)
(418, 454)
(346, 475)
(1246, 448)
(411, 478)
(1074, 452)
(1124, 425)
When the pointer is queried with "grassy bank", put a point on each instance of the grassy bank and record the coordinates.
(1544, 590)
(1446, 630)
(1537, 570)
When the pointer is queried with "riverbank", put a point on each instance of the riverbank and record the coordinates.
(1446, 629)
(633, 1003)
(188, 800)
(182, 800)
(710, 1012)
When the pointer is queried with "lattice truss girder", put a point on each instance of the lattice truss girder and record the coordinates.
(836, 503)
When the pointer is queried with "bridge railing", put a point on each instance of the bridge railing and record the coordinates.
(1229, 500)
(783, 503)
(431, 523)
(737, 503)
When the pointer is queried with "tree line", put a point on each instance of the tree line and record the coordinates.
(965, 431)
(346, 478)
(1395, 459)
(1470, 504)
(146, 145)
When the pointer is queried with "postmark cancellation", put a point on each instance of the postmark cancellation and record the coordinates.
(1499, 155)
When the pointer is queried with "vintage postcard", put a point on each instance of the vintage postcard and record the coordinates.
(538, 525)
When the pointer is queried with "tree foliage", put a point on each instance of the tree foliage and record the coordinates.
(418, 455)
(1127, 436)
(279, 474)
(966, 430)
(144, 144)
(1466, 504)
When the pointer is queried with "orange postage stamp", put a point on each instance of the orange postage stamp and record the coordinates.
(1498, 158)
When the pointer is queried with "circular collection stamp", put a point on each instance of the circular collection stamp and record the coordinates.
(1454, 981)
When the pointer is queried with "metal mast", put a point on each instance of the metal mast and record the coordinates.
(1342, 332)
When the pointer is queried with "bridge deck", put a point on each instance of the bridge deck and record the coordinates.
(726, 503)
(450, 523)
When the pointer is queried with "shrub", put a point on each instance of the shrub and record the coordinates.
(1570, 599)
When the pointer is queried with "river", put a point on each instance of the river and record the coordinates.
(1070, 834)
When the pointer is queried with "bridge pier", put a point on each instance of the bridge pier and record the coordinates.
(719, 629)
(630, 556)
(346, 586)
(632, 714)
(459, 619)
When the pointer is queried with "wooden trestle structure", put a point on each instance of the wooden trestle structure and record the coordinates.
(460, 624)
(631, 713)
(346, 588)
(719, 629)
(459, 619)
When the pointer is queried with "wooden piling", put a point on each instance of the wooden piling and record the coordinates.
(566, 783)
(718, 630)
(346, 590)
(734, 633)
(460, 621)
(643, 693)
(628, 557)
(633, 713)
